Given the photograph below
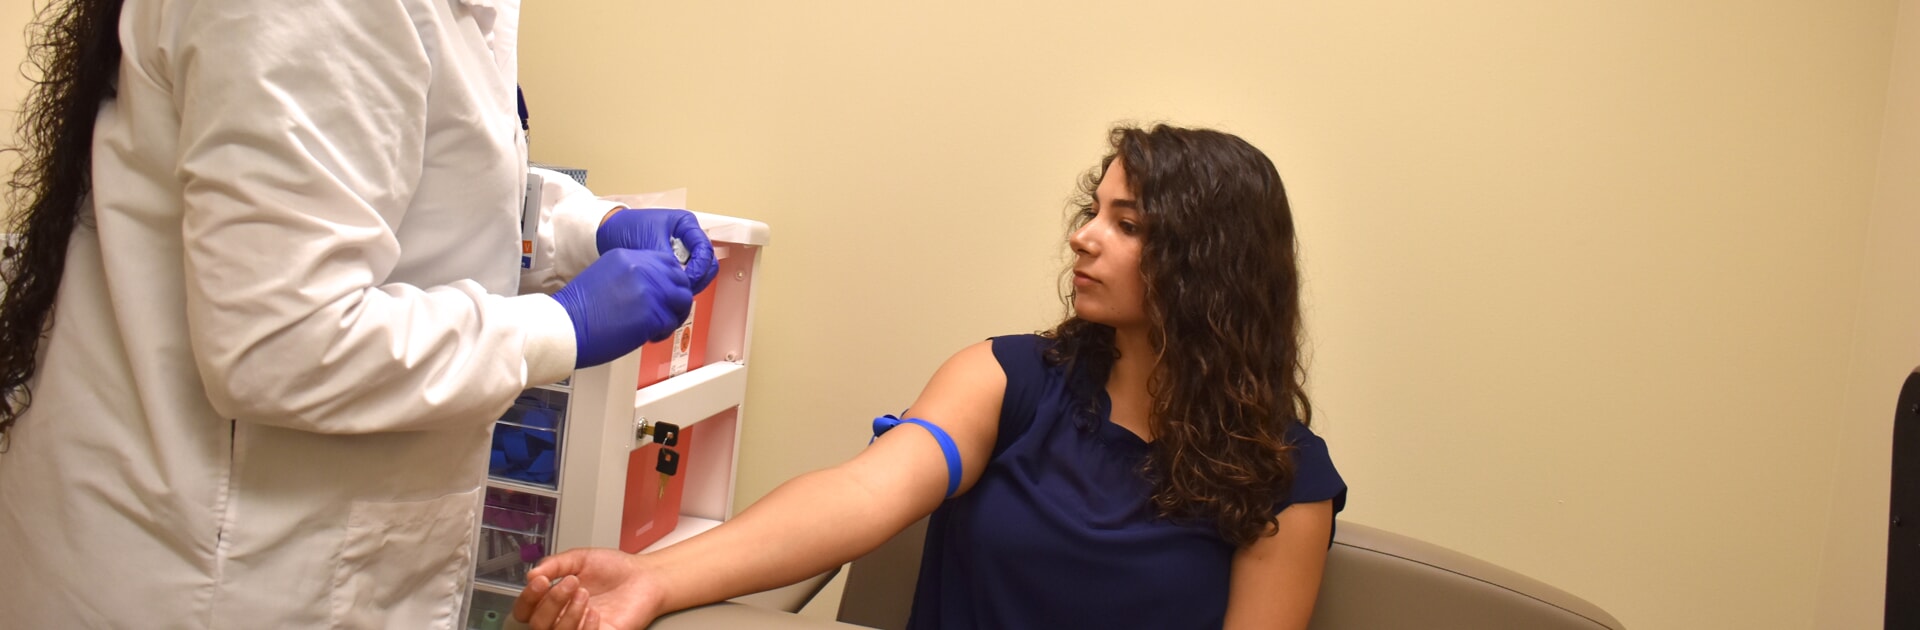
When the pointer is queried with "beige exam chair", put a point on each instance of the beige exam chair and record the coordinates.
(1374, 579)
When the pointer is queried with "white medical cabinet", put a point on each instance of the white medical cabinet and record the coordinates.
(598, 485)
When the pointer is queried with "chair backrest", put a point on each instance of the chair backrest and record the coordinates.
(1379, 579)
(1374, 579)
(1903, 523)
(879, 588)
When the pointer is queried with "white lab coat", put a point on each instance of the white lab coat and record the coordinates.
(282, 337)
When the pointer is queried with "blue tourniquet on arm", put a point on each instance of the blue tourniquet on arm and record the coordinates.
(883, 423)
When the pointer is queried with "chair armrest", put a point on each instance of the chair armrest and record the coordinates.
(1379, 579)
(731, 616)
(792, 597)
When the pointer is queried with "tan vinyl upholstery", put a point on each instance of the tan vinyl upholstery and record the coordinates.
(879, 589)
(789, 598)
(1374, 580)
(737, 616)
(1379, 579)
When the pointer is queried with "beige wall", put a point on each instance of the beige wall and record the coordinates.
(1603, 292)
(1583, 277)
(14, 17)
(1886, 347)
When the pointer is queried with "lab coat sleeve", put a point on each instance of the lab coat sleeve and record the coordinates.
(569, 223)
(302, 132)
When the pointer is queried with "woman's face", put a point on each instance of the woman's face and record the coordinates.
(1107, 285)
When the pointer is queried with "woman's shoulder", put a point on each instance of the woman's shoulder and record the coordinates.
(1023, 360)
(1023, 343)
(1021, 356)
(1314, 476)
(1298, 435)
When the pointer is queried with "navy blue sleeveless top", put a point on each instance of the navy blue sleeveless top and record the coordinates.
(1060, 531)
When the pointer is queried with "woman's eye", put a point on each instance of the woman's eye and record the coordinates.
(1129, 227)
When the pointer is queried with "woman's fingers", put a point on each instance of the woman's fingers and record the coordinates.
(575, 611)
(546, 614)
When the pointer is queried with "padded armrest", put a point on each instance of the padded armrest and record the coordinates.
(790, 598)
(1379, 579)
(732, 616)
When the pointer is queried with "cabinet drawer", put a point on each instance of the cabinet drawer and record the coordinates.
(489, 611)
(516, 531)
(527, 439)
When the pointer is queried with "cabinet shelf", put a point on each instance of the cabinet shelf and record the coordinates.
(489, 586)
(697, 395)
(690, 526)
(509, 484)
(595, 437)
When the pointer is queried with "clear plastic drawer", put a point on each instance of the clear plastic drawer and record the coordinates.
(516, 531)
(526, 440)
(489, 611)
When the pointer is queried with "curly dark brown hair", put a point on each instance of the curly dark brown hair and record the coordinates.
(1223, 306)
(75, 46)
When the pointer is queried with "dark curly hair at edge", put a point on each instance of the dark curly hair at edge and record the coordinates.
(75, 45)
(1222, 291)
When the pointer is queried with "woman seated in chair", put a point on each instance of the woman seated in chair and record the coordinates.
(1144, 464)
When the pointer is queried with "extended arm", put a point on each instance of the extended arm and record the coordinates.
(809, 524)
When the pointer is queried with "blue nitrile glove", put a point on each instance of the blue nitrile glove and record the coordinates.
(652, 229)
(626, 298)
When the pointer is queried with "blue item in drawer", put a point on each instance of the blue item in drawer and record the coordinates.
(523, 454)
(532, 412)
(524, 447)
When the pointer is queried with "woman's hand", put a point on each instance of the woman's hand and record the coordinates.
(597, 589)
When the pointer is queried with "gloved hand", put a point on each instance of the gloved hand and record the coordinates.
(651, 229)
(626, 298)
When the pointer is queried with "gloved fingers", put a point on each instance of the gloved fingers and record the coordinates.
(629, 228)
(673, 300)
(624, 299)
(700, 262)
(654, 229)
(657, 267)
(671, 313)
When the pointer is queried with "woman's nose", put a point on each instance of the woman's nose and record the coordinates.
(1082, 240)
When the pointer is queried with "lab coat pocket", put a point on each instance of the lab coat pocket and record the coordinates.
(484, 15)
(405, 564)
